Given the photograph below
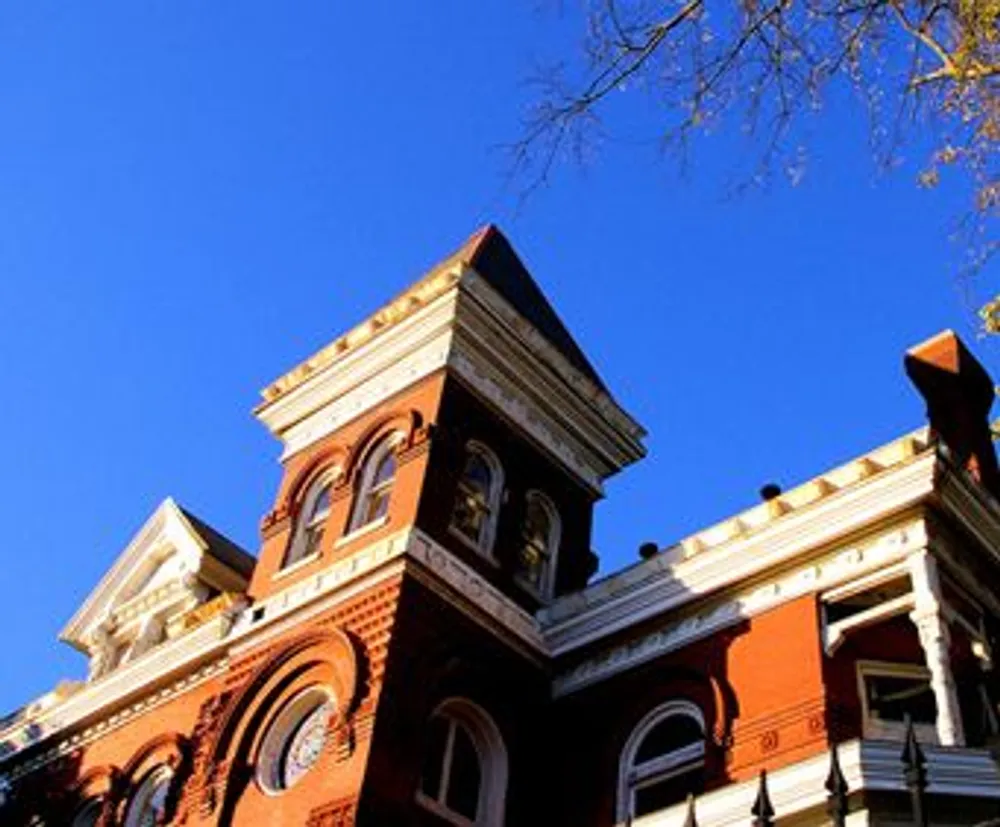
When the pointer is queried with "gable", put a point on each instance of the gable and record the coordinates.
(168, 569)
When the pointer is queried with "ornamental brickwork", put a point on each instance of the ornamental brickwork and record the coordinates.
(421, 637)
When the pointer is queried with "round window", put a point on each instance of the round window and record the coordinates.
(294, 740)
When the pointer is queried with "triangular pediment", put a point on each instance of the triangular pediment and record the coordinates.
(174, 564)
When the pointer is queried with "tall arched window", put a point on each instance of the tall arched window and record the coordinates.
(464, 770)
(477, 501)
(149, 802)
(375, 481)
(311, 523)
(663, 761)
(540, 533)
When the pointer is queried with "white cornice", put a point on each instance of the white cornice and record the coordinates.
(667, 581)
(365, 377)
(838, 566)
(470, 329)
(241, 628)
(867, 765)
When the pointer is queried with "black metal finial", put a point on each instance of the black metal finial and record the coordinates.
(836, 787)
(690, 820)
(762, 811)
(915, 773)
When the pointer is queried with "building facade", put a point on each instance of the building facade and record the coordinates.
(419, 639)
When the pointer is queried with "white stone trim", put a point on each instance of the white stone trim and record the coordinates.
(493, 764)
(361, 531)
(121, 716)
(166, 533)
(472, 330)
(488, 604)
(378, 369)
(841, 565)
(867, 765)
(683, 759)
(665, 582)
(874, 728)
(231, 634)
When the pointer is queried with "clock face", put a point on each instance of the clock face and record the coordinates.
(305, 744)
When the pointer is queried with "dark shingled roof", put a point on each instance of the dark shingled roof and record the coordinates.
(491, 255)
(222, 548)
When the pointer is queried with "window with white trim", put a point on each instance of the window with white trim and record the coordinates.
(477, 501)
(540, 534)
(294, 739)
(892, 691)
(464, 769)
(663, 760)
(375, 483)
(149, 802)
(312, 519)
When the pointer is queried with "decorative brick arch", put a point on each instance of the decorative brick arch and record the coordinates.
(170, 749)
(329, 457)
(326, 657)
(103, 783)
(408, 423)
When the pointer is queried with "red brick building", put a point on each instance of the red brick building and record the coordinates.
(419, 639)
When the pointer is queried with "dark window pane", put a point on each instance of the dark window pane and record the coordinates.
(379, 504)
(478, 476)
(463, 786)
(386, 470)
(668, 736)
(437, 739)
(469, 515)
(537, 525)
(530, 564)
(670, 791)
(891, 698)
(322, 504)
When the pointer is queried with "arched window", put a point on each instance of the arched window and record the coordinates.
(375, 481)
(464, 770)
(663, 761)
(477, 502)
(540, 532)
(149, 802)
(311, 522)
(294, 740)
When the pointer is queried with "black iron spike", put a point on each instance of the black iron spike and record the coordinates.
(690, 820)
(836, 787)
(915, 773)
(762, 811)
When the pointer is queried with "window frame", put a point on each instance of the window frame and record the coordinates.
(364, 489)
(488, 531)
(882, 729)
(281, 730)
(544, 590)
(493, 765)
(145, 792)
(297, 553)
(688, 758)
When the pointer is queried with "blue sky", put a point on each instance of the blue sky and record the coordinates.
(195, 196)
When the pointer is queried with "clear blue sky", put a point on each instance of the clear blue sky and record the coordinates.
(195, 196)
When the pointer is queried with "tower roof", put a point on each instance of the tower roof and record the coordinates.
(490, 254)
